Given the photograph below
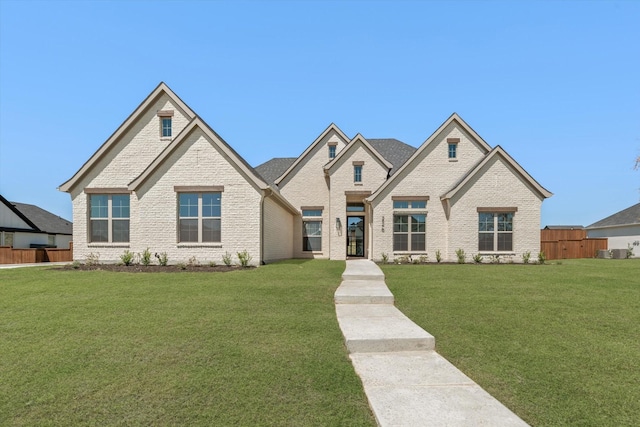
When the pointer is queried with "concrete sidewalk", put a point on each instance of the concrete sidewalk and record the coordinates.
(39, 264)
(407, 383)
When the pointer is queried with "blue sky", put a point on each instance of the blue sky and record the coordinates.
(556, 84)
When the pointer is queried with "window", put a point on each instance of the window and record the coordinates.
(166, 127)
(409, 232)
(357, 173)
(51, 240)
(7, 239)
(495, 231)
(199, 217)
(332, 151)
(409, 229)
(109, 218)
(453, 148)
(409, 204)
(311, 230)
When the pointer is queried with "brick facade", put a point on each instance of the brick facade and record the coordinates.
(266, 219)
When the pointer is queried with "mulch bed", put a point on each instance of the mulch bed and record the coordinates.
(137, 268)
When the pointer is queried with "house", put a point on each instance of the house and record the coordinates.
(622, 229)
(28, 226)
(165, 180)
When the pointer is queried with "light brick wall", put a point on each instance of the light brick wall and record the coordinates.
(308, 186)
(496, 186)
(196, 163)
(373, 175)
(278, 232)
(127, 159)
(431, 174)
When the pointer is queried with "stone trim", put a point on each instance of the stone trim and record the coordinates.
(311, 208)
(358, 163)
(409, 198)
(165, 113)
(498, 210)
(107, 190)
(453, 140)
(357, 193)
(198, 188)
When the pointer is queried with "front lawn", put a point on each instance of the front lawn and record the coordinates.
(251, 347)
(558, 344)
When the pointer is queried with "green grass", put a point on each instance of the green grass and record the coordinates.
(558, 344)
(252, 347)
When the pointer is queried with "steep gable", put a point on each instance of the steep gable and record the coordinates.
(430, 160)
(12, 218)
(128, 147)
(331, 134)
(197, 124)
(354, 144)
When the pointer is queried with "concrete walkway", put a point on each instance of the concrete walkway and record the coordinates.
(39, 264)
(406, 381)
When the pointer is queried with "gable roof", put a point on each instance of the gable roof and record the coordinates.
(272, 169)
(302, 157)
(352, 143)
(161, 89)
(197, 123)
(498, 151)
(628, 216)
(39, 219)
(452, 118)
(394, 151)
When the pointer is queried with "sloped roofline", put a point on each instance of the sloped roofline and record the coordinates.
(497, 151)
(617, 216)
(351, 143)
(20, 214)
(331, 127)
(229, 152)
(161, 89)
(453, 117)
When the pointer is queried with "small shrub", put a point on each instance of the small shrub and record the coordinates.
(385, 258)
(461, 256)
(526, 257)
(127, 257)
(424, 259)
(495, 259)
(541, 257)
(212, 264)
(92, 259)
(405, 259)
(438, 256)
(193, 262)
(145, 257)
(182, 266)
(226, 259)
(629, 253)
(163, 259)
(75, 264)
(244, 258)
(477, 258)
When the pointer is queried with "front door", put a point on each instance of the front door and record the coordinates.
(355, 236)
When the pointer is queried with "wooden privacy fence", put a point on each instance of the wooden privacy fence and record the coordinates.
(570, 244)
(9, 255)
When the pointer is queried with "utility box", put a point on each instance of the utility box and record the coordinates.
(603, 253)
(618, 253)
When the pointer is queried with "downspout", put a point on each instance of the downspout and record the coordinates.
(262, 201)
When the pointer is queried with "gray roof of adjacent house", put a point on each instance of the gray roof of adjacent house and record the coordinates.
(564, 227)
(394, 151)
(44, 221)
(274, 168)
(629, 216)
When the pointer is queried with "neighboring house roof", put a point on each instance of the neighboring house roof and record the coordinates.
(39, 219)
(629, 216)
(564, 227)
(302, 157)
(394, 151)
(160, 90)
(274, 168)
(365, 143)
(497, 151)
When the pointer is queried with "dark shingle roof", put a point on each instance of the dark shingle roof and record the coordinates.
(44, 220)
(394, 151)
(272, 169)
(564, 227)
(627, 216)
